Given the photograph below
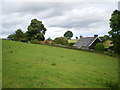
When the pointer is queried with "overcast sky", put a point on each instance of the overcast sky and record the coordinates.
(82, 18)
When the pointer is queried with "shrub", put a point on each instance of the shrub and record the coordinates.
(61, 40)
(71, 44)
(99, 47)
(35, 41)
(49, 39)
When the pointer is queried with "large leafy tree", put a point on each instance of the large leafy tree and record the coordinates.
(36, 30)
(11, 36)
(68, 34)
(18, 36)
(115, 30)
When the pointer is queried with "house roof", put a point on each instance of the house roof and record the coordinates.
(85, 41)
(43, 42)
(49, 41)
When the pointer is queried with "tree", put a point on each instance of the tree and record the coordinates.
(76, 37)
(105, 38)
(18, 36)
(68, 34)
(11, 36)
(49, 39)
(115, 32)
(35, 41)
(61, 40)
(99, 47)
(36, 30)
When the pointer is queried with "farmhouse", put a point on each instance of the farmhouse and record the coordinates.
(87, 43)
(44, 42)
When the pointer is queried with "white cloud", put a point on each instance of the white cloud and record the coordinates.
(83, 18)
(60, 0)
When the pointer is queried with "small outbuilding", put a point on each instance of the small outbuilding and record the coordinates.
(87, 43)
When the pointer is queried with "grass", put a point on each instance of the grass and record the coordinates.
(39, 66)
(72, 41)
(107, 43)
(0, 64)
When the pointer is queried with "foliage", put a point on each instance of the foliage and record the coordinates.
(76, 37)
(116, 46)
(36, 30)
(115, 32)
(18, 36)
(41, 66)
(61, 40)
(11, 36)
(105, 38)
(99, 47)
(71, 44)
(68, 34)
(49, 39)
(35, 41)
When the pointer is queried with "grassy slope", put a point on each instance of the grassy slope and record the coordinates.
(72, 41)
(28, 65)
(0, 64)
(107, 43)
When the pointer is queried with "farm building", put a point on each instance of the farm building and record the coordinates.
(44, 42)
(87, 43)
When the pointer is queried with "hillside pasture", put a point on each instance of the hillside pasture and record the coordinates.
(40, 66)
(72, 41)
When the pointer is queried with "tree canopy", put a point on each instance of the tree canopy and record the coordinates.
(18, 36)
(36, 30)
(49, 39)
(115, 30)
(68, 34)
(61, 40)
(115, 24)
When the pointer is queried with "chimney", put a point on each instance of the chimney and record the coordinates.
(95, 35)
(81, 36)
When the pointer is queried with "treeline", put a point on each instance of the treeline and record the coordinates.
(114, 33)
(35, 31)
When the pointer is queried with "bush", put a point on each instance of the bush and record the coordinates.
(71, 44)
(61, 40)
(99, 47)
(35, 41)
(49, 39)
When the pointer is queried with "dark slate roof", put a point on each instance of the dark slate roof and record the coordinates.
(85, 41)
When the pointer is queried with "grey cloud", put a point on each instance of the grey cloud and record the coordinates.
(76, 24)
(54, 15)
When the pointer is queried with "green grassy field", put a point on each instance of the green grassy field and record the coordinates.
(107, 43)
(0, 64)
(39, 66)
(72, 41)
